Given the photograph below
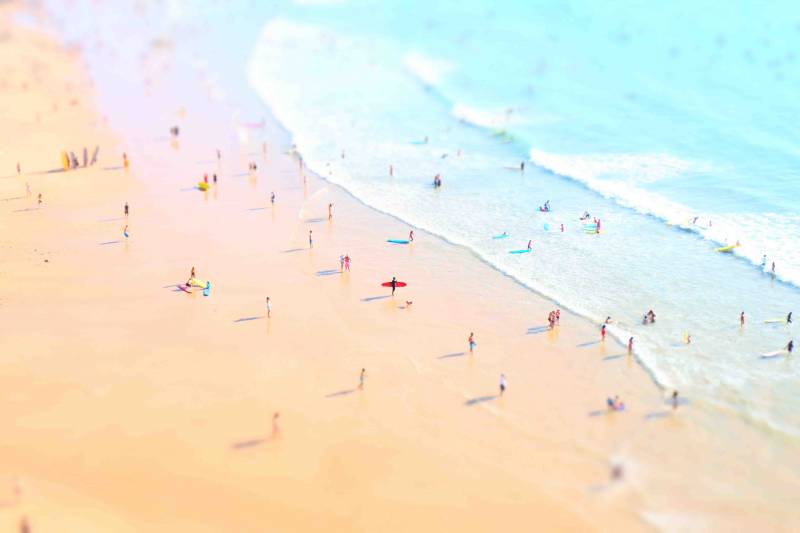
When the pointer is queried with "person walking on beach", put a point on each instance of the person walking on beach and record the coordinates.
(269, 308)
(741, 319)
(347, 262)
(330, 211)
(214, 178)
(361, 379)
(19, 170)
(391, 170)
(125, 162)
(530, 245)
(126, 209)
(503, 384)
(789, 318)
(603, 333)
(341, 263)
(310, 239)
(272, 198)
(40, 198)
(471, 341)
(125, 231)
(630, 346)
(276, 430)
(674, 399)
(790, 346)
(411, 236)
(394, 284)
(191, 274)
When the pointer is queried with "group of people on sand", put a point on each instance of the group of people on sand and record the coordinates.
(649, 317)
(344, 263)
(554, 318)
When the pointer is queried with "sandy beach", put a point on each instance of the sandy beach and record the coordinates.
(132, 405)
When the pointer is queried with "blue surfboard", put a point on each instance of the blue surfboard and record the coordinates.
(398, 241)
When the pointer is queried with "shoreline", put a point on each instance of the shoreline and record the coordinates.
(408, 442)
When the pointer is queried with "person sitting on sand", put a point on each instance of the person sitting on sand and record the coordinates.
(615, 404)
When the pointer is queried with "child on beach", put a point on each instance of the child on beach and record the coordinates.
(741, 319)
(471, 341)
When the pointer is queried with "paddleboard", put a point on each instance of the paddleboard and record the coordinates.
(775, 321)
(520, 251)
(727, 248)
(389, 284)
(502, 236)
(398, 241)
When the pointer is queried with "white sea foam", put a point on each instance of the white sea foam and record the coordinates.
(430, 70)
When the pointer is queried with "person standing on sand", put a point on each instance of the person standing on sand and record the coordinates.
(40, 198)
(790, 346)
(275, 429)
(603, 333)
(125, 162)
(347, 262)
(330, 211)
(126, 209)
(19, 171)
(391, 170)
(341, 263)
(214, 179)
(272, 198)
(630, 346)
(269, 308)
(530, 245)
(789, 318)
(503, 384)
(471, 341)
(394, 284)
(411, 236)
(191, 275)
(674, 399)
(310, 239)
(361, 379)
(741, 320)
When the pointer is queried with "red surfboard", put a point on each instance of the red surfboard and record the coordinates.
(389, 284)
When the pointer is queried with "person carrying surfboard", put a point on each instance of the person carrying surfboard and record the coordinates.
(394, 284)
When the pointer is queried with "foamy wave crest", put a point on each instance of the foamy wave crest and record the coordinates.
(431, 71)
(484, 118)
(618, 177)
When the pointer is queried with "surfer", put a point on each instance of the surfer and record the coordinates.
(773, 268)
(411, 236)
(471, 341)
(126, 209)
(269, 308)
(603, 333)
(310, 239)
(608, 320)
(522, 166)
(503, 383)
(394, 284)
(361, 379)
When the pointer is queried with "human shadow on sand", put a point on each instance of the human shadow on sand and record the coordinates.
(612, 357)
(373, 298)
(290, 250)
(340, 393)
(537, 329)
(454, 354)
(480, 399)
(248, 319)
(109, 242)
(587, 344)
